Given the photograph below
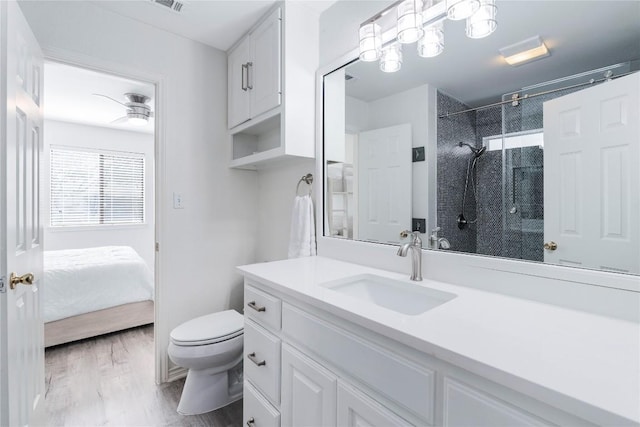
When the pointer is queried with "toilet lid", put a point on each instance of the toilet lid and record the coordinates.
(209, 328)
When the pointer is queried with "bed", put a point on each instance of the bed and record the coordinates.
(94, 291)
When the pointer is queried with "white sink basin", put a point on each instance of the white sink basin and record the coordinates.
(401, 297)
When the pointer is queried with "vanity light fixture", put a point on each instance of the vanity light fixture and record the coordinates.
(410, 21)
(483, 22)
(391, 59)
(525, 51)
(458, 10)
(421, 21)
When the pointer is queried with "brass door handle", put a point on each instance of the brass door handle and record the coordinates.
(253, 305)
(254, 359)
(551, 246)
(251, 422)
(25, 279)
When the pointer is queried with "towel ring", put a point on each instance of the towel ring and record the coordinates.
(307, 179)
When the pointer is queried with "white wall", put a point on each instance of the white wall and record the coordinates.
(139, 237)
(201, 244)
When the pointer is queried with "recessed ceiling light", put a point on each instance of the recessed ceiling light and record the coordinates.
(525, 51)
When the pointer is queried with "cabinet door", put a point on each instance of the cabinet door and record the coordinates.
(466, 406)
(238, 95)
(355, 409)
(308, 391)
(264, 69)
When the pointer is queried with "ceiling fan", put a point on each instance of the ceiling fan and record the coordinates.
(138, 112)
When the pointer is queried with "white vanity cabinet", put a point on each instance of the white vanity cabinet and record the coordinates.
(254, 72)
(333, 372)
(271, 88)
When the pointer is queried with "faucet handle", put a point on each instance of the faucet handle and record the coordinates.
(417, 240)
(435, 230)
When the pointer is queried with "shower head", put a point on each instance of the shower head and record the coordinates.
(476, 151)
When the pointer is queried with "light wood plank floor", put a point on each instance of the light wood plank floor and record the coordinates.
(109, 381)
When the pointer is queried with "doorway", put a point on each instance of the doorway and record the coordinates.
(98, 205)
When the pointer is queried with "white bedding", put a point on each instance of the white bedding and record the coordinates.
(78, 281)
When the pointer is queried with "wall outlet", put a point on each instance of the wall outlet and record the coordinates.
(418, 154)
(419, 224)
(178, 201)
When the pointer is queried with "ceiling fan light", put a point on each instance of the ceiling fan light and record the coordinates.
(391, 60)
(483, 22)
(370, 42)
(410, 21)
(137, 119)
(461, 9)
(432, 43)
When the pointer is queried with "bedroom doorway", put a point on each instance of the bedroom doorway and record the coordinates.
(98, 204)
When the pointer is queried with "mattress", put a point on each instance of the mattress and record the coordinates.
(78, 281)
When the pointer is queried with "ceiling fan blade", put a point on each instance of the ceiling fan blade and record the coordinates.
(121, 119)
(108, 97)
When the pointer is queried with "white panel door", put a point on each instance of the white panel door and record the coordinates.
(264, 69)
(355, 409)
(591, 177)
(384, 183)
(22, 351)
(238, 96)
(308, 391)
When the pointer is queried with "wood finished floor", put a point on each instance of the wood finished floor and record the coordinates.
(109, 381)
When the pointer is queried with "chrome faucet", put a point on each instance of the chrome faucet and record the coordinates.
(416, 255)
(436, 242)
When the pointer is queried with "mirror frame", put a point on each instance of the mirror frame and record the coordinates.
(627, 282)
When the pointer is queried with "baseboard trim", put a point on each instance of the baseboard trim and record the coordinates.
(176, 373)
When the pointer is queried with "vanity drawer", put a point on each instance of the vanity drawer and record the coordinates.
(257, 411)
(403, 382)
(265, 309)
(262, 360)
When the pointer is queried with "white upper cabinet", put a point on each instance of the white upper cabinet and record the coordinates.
(271, 94)
(254, 72)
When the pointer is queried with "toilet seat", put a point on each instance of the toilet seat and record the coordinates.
(208, 329)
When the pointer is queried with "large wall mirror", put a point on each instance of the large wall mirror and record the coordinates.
(538, 161)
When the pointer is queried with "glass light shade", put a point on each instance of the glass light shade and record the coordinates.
(432, 43)
(370, 42)
(483, 22)
(391, 59)
(137, 119)
(410, 21)
(461, 9)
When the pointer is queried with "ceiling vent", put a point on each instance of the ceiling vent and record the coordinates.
(174, 5)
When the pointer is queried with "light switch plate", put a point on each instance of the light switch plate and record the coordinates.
(178, 201)
(419, 224)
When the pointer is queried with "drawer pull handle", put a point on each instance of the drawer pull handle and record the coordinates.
(254, 359)
(251, 422)
(253, 305)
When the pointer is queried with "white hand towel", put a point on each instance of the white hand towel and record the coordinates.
(302, 241)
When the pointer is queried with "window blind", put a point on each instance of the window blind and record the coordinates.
(96, 187)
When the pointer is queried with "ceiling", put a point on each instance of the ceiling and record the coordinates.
(581, 36)
(69, 96)
(217, 23)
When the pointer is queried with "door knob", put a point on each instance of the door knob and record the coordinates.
(551, 246)
(25, 279)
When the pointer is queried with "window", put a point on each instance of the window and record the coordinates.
(96, 187)
(533, 138)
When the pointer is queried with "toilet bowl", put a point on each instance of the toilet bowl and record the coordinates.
(210, 347)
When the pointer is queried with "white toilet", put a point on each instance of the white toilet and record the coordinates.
(211, 348)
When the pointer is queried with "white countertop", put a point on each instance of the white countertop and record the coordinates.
(584, 364)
